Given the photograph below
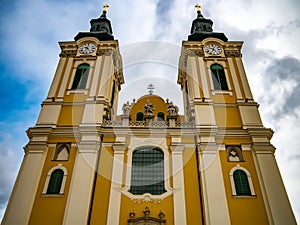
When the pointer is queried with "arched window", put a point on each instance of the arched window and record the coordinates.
(81, 76)
(161, 116)
(218, 77)
(147, 174)
(55, 182)
(241, 182)
(139, 116)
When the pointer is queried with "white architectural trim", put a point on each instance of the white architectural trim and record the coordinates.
(235, 81)
(58, 73)
(24, 192)
(243, 77)
(114, 207)
(233, 189)
(77, 207)
(62, 187)
(178, 185)
(214, 193)
(65, 78)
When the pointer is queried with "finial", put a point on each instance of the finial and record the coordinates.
(198, 7)
(105, 6)
(150, 88)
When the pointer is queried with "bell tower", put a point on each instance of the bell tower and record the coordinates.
(64, 143)
(232, 143)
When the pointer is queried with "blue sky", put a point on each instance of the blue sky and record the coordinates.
(30, 30)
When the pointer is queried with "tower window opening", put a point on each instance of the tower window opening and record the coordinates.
(161, 116)
(55, 182)
(139, 116)
(81, 76)
(218, 77)
(241, 183)
(147, 174)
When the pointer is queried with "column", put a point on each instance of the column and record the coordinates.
(78, 203)
(215, 202)
(276, 200)
(22, 198)
(113, 214)
(178, 184)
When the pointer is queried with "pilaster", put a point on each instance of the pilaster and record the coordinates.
(277, 204)
(22, 198)
(215, 202)
(78, 202)
(116, 184)
(178, 184)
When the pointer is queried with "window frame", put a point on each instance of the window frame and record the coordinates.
(216, 91)
(216, 78)
(63, 183)
(233, 185)
(136, 144)
(81, 85)
(147, 168)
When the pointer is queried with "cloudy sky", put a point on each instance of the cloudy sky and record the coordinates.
(270, 29)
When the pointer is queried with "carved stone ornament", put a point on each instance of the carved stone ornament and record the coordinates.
(234, 154)
(106, 52)
(147, 198)
(146, 220)
(232, 53)
(68, 53)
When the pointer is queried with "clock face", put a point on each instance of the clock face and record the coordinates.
(213, 49)
(87, 48)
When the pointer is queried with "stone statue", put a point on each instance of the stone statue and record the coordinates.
(172, 109)
(148, 109)
(126, 108)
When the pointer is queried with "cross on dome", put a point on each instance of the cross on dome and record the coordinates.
(198, 7)
(150, 88)
(105, 7)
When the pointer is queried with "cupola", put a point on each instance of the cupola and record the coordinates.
(100, 28)
(202, 28)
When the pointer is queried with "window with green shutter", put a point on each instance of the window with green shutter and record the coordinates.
(241, 183)
(218, 77)
(81, 76)
(55, 182)
(139, 116)
(161, 116)
(147, 174)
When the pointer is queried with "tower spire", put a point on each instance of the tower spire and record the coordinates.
(202, 28)
(100, 28)
(198, 7)
(105, 7)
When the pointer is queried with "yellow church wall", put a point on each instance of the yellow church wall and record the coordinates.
(234, 141)
(70, 115)
(192, 197)
(166, 206)
(102, 190)
(75, 97)
(224, 98)
(244, 210)
(228, 117)
(50, 208)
